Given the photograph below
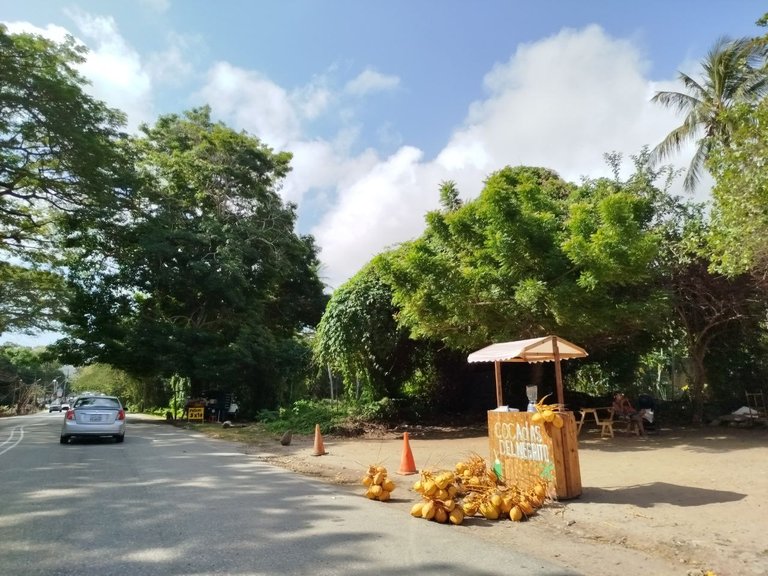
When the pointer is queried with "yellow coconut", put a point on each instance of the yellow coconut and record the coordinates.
(515, 514)
(443, 480)
(470, 508)
(525, 506)
(441, 494)
(456, 516)
(489, 511)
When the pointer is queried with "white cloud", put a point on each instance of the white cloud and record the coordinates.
(323, 165)
(173, 65)
(312, 100)
(371, 81)
(115, 68)
(376, 210)
(560, 103)
(251, 101)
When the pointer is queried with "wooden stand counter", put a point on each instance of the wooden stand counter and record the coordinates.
(527, 450)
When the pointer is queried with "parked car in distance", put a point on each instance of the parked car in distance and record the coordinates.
(54, 406)
(64, 406)
(94, 416)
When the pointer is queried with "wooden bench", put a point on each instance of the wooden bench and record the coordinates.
(603, 417)
(628, 425)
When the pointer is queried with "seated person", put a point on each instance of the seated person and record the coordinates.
(622, 408)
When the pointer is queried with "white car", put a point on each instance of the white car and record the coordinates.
(94, 416)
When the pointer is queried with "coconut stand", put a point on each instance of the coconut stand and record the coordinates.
(520, 447)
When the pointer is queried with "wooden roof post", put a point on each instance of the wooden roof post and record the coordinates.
(558, 373)
(497, 370)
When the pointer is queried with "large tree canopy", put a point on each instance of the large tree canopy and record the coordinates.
(202, 274)
(532, 255)
(480, 271)
(59, 154)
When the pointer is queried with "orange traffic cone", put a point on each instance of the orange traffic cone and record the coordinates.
(319, 448)
(407, 465)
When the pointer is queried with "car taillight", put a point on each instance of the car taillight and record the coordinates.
(70, 415)
(121, 414)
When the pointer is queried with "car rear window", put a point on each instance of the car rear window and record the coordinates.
(98, 402)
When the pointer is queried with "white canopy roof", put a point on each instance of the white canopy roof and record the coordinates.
(532, 350)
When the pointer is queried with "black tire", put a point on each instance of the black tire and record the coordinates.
(63, 439)
(119, 438)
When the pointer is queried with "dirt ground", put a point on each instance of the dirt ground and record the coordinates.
(682, 501)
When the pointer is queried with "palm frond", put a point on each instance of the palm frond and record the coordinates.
(678, 100)
(673, 142)
(695, 168)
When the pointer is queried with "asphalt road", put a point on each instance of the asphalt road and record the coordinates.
(172, 502)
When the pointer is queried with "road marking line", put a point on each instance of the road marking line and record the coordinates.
(10, 438)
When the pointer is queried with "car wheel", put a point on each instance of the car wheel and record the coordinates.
(63, 439)
(120, 438)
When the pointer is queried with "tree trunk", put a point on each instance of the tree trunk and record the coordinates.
(698, 352)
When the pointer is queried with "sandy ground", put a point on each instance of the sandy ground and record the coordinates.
(683, 501)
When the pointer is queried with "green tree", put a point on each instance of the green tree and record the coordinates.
(26, 374)
(740, 220)
(108, 380)
(480, 272)
(733, 72)
(359, 337)
(203, 275)
(707, 305)
(59, 156)
(31, 298)
(533, 255)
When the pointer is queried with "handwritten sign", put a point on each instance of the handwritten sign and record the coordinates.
(196, 414)
(521, 440)
(526, 451)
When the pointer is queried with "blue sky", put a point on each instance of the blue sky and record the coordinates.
(381, 101)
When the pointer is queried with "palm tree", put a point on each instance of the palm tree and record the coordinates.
(733, 73)
(449, 196)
